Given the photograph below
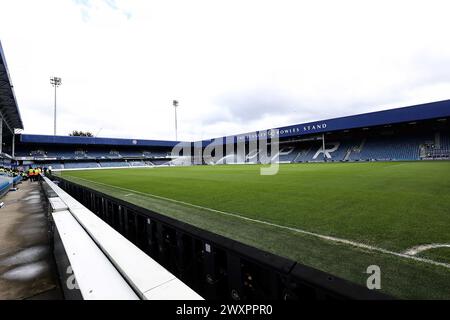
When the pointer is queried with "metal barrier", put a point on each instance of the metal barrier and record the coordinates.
(104, 263)
(215, 266)
(5, 185)
(7, 182)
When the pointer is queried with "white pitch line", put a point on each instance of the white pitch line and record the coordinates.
(317, 235)
(417, 249)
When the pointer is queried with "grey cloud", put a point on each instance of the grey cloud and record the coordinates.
(430, 68)
(253, 105)
(248, 107)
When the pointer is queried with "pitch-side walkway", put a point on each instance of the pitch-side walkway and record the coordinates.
(27, 269)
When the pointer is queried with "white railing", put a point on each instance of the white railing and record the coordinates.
(95, 276)
(147, 278)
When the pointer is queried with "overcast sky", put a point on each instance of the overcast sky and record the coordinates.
(234, 65)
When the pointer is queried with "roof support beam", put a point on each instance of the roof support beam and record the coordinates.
(7, 125)
(13, 149)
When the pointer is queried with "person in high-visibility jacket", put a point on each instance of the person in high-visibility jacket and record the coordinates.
(30, 174)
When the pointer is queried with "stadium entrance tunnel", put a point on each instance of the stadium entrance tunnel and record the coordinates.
(214, 266)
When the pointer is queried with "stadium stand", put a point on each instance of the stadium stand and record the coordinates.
(288, 154)
(394, 147)
(38, 153)
(305, 153)
(411, 133)
(131, 154)
(53, 165)
(137, 163)
(78, 165)
(438, 149)
(91, 154)
(343, 148)
(156, 154)
(445, 141)
(390, 148)
(401, 144)
(110, 164)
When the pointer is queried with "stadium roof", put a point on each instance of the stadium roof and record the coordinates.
(45, 139)
(427, 111)
(8, 103)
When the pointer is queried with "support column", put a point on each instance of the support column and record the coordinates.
(13, 144)
(323, 147)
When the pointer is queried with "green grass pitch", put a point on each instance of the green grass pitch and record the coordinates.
(392, 206)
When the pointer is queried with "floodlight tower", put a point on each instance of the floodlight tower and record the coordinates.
(55, 82)
(175, 105)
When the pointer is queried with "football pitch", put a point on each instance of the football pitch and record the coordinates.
(336, 217)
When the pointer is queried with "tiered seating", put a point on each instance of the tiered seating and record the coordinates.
(90, 152)
(108, 164)
(341, 152)
(390, 148)
(159, 162)
(137, 163)
(438, 150)
(445, 140)
(80, 153)
(38, 153)
(97, 154)
(80, 165)
(114, 154)
(287, 154)
(54, 165)
(131, 154)
(252, 156)
(302, 153)
(155, 154)
(64, 154)
(307, 153)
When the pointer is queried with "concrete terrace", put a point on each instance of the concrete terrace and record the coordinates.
(27, 269)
